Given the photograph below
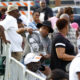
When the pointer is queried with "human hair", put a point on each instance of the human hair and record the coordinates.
(19, 21)
(3, 9)
(41, 1)
(58, 74)
(35, 11)
(61, 24)
(68, 10)
(33, 66)
(64, 16)
(60, 12)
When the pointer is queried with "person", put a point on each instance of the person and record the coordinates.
(20, 24)
(10, 27)
(74, 70)
(32, 62)
(62, 51)
(60, 12)
(3, 13)
(71, 36)
(40, 40)
(2, 35)
(46, 10)
(55, 18)
(44, 30)
(53, 21)
(35, 21)
(69, 11)
(58, 74)
(63, 16)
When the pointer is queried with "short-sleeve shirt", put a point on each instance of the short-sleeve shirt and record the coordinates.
(71, 36)
(74, 68)
(10, 25)
(38, 43)
(60, 41)
(32, 25)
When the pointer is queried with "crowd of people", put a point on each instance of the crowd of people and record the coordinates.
(48, 46)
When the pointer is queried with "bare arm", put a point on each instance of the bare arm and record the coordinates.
(78, 75)
(21, 30)
(2, 34)
(62, 55)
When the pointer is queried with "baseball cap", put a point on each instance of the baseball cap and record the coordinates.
(31, 57)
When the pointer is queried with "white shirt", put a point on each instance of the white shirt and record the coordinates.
(78, 44)
(74, 68)
(24, 19)
(10, 26)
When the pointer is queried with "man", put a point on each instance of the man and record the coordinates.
(46, 10)
(74, 71)
(10, 26)
(40, 37)
(33, 63)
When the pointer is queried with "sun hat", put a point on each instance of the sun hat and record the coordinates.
(46, 24)
(11, 8)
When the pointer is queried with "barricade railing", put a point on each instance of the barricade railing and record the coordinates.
(15, 70)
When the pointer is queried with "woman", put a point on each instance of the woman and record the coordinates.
(35, 21)
(62, 50)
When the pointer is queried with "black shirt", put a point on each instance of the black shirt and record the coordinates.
(60, 41)
(47, 11)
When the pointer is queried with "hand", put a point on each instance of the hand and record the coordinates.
(6, 41)
(45, 56)
(30, 30)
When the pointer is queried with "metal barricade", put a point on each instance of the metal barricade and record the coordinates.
(19, 72)
(14, 69)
